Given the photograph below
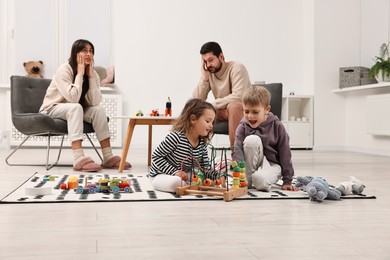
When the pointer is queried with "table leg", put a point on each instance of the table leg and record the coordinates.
(129, 135)
(150, 145)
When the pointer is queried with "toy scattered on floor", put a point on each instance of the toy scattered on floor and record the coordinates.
(114, 186)
(168, 107)
(353, 186)
(49, 178)
(302, 181)
(33, 68)
(73, 182)
(155, 112)
(318, 188)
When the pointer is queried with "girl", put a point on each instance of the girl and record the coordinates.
(74, 95)
(174, 158)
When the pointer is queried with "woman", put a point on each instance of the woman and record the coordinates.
(74, 95)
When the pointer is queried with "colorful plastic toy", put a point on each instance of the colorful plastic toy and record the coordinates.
(201, 185)
(168, 107)
(155, 112)
(139, 113)
(113, 186)
(73, 182)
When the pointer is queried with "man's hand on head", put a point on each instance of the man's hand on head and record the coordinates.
(205, 73)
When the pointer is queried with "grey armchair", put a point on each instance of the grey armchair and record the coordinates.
(276, 90)
(26, 98)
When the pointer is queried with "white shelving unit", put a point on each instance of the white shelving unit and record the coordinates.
(297, 117)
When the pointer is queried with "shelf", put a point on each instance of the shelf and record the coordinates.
(301, 132)
(381, 85)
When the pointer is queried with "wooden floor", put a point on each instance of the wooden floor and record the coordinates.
(269, 229)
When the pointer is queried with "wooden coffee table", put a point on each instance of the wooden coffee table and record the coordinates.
(142, 120)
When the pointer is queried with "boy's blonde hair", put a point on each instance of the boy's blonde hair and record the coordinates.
(256, 95)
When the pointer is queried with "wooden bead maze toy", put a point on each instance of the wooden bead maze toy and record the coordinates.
(200, 184)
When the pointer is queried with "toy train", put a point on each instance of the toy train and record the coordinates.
(114, 186)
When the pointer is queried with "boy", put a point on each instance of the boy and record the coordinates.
(264, 141)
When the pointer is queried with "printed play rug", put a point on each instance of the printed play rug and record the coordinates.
(41, 188)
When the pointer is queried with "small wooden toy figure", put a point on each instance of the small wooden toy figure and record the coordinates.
(168, 107)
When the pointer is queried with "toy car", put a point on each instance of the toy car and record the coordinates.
(89, 189)
(113, 186)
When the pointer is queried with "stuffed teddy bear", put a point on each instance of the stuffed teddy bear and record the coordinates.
(33, 68)
(353, 186)
(303, 181)
(317, 188)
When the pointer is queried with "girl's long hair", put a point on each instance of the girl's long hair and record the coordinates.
(194, 107)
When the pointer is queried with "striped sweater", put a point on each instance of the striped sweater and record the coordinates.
(175, 153)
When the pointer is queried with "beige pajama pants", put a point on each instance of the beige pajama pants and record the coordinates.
(259, 171)
(74, 114)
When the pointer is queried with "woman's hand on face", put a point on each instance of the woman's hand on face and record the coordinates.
(80, 64)
(90, 69)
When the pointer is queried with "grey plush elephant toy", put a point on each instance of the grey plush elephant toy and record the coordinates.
(317, 188)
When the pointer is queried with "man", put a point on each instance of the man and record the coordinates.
(227, 81)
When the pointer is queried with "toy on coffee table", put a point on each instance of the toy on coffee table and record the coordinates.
(139, 113)
(201, 185)
(168, 107)
(155, 112)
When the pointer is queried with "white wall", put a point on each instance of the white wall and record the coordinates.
(336, 45)
(340, 120)
(374, 31)
(45, 30)
(157, 47)
(3, 40)
(28, 42)
(48, 32)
